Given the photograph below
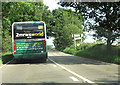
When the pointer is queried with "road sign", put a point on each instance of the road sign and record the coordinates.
(81, 35)
(75, 35)
(78, 38)
(78, 44)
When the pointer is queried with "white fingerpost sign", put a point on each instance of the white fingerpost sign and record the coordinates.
(77, 37)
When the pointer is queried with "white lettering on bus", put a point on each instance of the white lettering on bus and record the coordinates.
(22, 35)
(29, 35)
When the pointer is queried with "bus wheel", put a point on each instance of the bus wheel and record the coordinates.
(18, 60)
(44, 60)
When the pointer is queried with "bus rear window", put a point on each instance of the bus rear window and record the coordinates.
(29, 31)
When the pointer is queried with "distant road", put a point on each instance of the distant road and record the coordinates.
(60, 68)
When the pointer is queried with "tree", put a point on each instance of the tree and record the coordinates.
(18, 12)
(106, 17)
(49, 20)
(66, 23)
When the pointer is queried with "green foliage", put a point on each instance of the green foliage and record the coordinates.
(66, 23)
(100, 52)
(85, 46)
(62, 22)
(6, 57)
(117, 60)
(7, 42)
(49, 47)
(1, 62)
(70, 51)
(105, 15)
(97, 52)
(48, 19)
(18, 12)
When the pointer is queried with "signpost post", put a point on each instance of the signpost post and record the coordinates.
(77, 37)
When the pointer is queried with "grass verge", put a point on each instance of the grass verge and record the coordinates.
(0, 59)
(6, 57)
(97, 52)
(0, 62)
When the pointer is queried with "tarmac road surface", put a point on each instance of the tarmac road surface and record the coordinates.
(61, 68)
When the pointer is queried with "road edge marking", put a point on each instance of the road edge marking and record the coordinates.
(5, 64)
(73, 78)
(81, 77)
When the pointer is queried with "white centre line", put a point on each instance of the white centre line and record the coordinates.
(79, 76)
(73, 78)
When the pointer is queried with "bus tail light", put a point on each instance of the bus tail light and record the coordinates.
(44, 44)
(14, 45)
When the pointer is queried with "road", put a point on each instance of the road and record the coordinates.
(61, 68)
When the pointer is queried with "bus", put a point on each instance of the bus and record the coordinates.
(29, 40)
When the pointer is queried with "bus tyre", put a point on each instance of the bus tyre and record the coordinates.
(44, 60)
(18, 60)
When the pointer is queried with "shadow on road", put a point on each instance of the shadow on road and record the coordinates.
(66, 60)
(70, 60)
(8, 57)
(59, 57)
(29, 62)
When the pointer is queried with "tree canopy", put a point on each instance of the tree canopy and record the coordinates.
(18, 12)
(61, 23)
(106, 17)
(66, 23)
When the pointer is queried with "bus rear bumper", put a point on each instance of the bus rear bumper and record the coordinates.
(31, 56)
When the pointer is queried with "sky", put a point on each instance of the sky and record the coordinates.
(52, 4)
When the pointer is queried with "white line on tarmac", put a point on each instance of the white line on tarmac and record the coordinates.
(54, 66)
(5, 64)
(73, 78)
(83, 78)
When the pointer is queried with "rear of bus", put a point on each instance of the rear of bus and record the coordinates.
(29, 40)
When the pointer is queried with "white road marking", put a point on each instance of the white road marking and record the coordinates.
(83, 78)
(5, 64)
(73, 78)
(54, 66)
